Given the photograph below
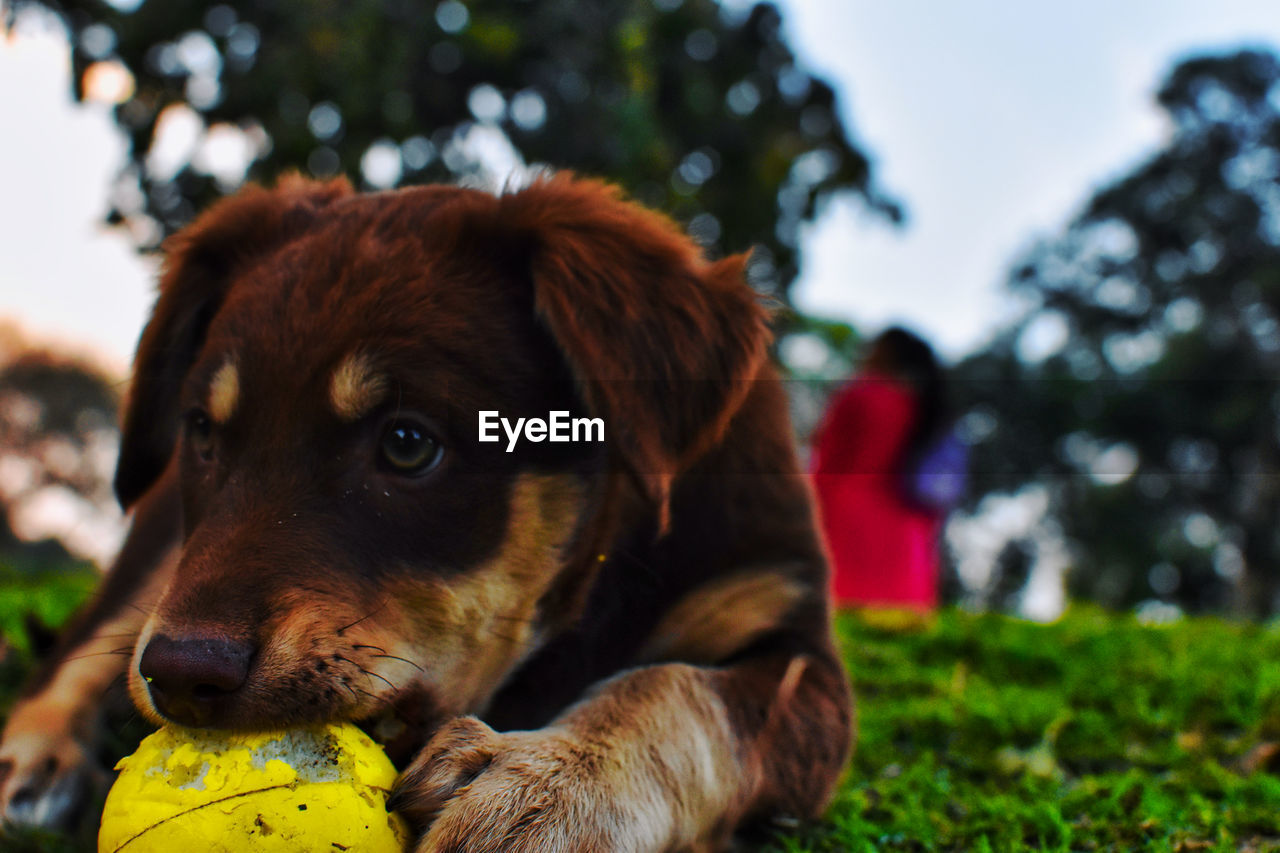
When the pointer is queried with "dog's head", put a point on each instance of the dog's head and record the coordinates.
(312, 376)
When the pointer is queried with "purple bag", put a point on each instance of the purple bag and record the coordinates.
(940, 476)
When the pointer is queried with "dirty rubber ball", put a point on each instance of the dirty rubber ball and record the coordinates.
(321, 788)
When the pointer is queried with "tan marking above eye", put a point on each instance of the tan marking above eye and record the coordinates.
(224, 393)
(355, 387)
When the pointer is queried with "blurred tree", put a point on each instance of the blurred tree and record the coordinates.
(1141, 384)
(698, 109)
(57, 447)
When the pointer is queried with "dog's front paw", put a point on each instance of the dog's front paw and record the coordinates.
(480, 791)
(46, 778)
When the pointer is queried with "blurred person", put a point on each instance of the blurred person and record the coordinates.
(886, 467)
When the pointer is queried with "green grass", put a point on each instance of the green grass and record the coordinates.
(1095, 733)
(988, 733)
(49, 597)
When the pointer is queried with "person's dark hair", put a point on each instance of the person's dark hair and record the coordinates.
(908, 356)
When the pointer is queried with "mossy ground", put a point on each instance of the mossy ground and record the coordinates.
(983, 732)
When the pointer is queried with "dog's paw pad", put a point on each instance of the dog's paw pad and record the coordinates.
(46, 785)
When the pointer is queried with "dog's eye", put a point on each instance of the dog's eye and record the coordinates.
(409, 449)
(200, 433)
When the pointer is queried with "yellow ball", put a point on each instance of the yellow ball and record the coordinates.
(303, 790)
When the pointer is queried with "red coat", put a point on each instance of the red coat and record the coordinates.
(883, 551)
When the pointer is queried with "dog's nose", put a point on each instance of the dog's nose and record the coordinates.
(190, 679)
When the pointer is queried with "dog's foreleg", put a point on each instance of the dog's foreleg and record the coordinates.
(665, 757)
(48, 766)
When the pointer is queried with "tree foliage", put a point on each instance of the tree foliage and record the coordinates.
(1142, 385)
(57, 446)
(700, 110)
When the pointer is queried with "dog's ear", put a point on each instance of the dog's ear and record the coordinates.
(200, 262)
(662, 342)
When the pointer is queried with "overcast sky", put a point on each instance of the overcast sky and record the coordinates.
(991, 120)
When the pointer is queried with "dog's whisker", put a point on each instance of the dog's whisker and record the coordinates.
(370, 672)
(364, 692)
(385, 701)
(397, 657)
(634, 560)
(368, 615)
(125, 651)
(115, 684)
(379, 701)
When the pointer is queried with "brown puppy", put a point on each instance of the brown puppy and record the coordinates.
(566, 645)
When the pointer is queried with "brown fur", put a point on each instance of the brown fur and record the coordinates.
(723, 616)
(569, 646)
